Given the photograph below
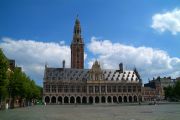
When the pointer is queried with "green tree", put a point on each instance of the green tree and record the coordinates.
(23, 88)
(177, 90)
(3, 76)
(173, 92)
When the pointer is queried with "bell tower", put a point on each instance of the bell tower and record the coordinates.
(77, 47)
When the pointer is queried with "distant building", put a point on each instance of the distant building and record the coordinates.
(11, 64)
(177, 79)
(149, 94)
(158, 85)
(96, 85)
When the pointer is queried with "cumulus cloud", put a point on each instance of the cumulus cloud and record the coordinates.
(168, 21)
(150, 62)
(32, 55)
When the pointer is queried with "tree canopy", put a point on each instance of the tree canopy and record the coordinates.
(3, 75)
(172, 93)
(16, 84)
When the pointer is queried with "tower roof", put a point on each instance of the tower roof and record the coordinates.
(77, 38)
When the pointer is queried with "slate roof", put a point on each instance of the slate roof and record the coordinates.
(59, 74)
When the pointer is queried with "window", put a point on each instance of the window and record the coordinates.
(119, 89)
(53, 88)
(78, 89)
(109, 89)
(65, 88)
(129, 89)
(72, 89)
(84, 89)
(96, 89)
(134, 88)
(114, 88)
(59, 88)
(124, 89)
(47, 88)
(90, 89)
(103, 89)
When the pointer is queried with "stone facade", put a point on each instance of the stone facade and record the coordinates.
(77, 85)
(157, 86)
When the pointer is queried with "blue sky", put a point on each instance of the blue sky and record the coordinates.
(120, 22)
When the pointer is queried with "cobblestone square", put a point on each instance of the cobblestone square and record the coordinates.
(94, 112)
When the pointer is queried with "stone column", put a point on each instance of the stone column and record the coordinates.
(87, 99)
(69, 99)
(122, 98)
(111, 97)
(62, 100)
(106, 99)
(106, 88)
(93, 88)
(75, 99)
(50, 99)
(127, 98)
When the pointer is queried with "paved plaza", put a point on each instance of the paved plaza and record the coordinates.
(94, 112)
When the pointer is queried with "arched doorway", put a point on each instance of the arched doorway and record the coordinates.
(119, 99)
(109, 99)
(96, 99)
(60, 100)
(53, 99)
(114, 99)
(47, 99)
(78, 99)
(72, 99)
(130, 98)
(84, 100)
(91, 100)
(66, 99)
(140, 98)
(125, 98)
(103, 99)
(135, 98)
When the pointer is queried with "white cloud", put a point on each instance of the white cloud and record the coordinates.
(151, 62)
(32, 55)
(168, 21)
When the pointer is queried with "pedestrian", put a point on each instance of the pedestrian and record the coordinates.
(7, 106)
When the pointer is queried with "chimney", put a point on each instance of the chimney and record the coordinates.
(121, 67)
(63, 63)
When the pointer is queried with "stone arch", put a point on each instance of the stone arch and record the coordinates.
(119, 99)
(109, 100)
(47, 99)
(84, 99)
(135, 98)
(72, 99)
(125, 99)
(96, 99)
(66, 99)
(103, 99)
(91, 100)
(78, 99)
(53, 99)
(114, 99)
(60, 100)
(130, 99)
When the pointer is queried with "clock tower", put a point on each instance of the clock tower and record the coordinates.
(77, 47)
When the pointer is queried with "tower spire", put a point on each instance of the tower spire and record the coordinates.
(77, 47)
